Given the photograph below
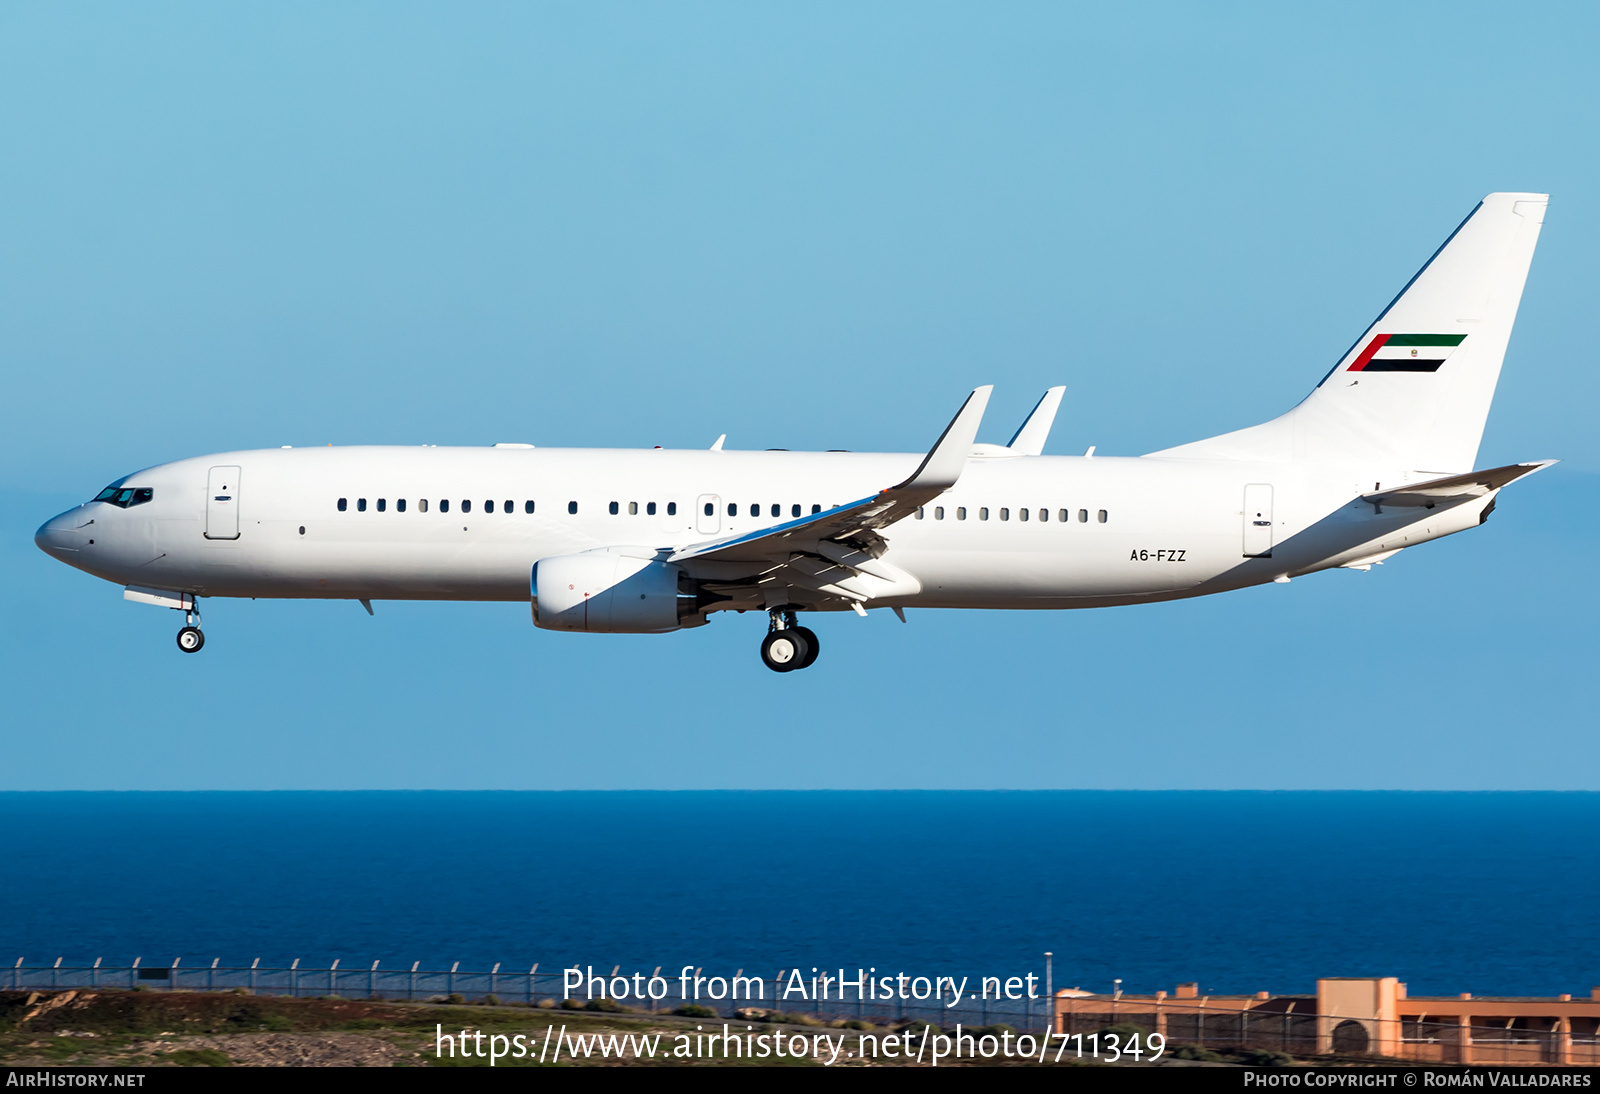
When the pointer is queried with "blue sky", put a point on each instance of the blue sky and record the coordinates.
(813, 226)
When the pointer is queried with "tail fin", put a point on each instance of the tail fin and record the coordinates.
(1414, 390)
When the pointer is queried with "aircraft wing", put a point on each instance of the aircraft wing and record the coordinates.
(854, 524)
(1454, 488)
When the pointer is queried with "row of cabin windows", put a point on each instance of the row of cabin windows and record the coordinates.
(382, 505)
(615, 508)
(1064, 516)
(755, 509)
(507, 506)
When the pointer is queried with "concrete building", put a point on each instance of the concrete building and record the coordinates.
(1356, 1016)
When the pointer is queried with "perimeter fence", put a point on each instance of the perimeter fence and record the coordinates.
(790, 993)
(1085, 1025)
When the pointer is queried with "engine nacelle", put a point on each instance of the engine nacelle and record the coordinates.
(611, 591)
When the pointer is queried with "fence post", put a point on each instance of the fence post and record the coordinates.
(132, 969)
(450, 983)
(531, 971)
(333, 974)
(211, 977)
(253, 965)
(294, 979)
(411, 992)
(172, 975)
(372, 976)
(94, 974)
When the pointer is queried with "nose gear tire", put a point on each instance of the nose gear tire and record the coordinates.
(190, 640)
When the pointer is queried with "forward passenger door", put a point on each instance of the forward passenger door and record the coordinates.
(222, 503)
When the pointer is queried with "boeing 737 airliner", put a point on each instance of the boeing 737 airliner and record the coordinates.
(1378, 458)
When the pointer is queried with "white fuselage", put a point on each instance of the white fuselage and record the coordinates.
(1015, 532)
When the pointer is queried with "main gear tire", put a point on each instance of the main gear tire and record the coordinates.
(813, 647)
(785, 650)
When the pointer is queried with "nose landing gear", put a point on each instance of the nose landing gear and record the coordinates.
(191, 638)
(788, 646)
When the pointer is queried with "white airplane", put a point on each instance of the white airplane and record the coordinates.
(1378, 458)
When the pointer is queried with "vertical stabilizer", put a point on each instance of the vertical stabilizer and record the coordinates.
(1414, 391)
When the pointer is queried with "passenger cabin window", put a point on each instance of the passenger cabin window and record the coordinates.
(938, 512)
(1064, 516)
(422, 505)
(1102, 516)
(572, 507)
(527, 507)
(466, 506)
(920, 513)
(400, 506)
(344, 503)
(794, 510)
(815, 509)
(1083, 516)
(961, 512)
(633, 508)
(1005, 514)
(383, 503)
(983, 513)
(777, 510)
(444, 505)
(508, 507)
(488, 506)
(755, 510)
(733, 509)
(709, 510)
(361, 505)
(613, 508)
(1022, 514)
(650, 509)
(1044, 514)
(672, 509)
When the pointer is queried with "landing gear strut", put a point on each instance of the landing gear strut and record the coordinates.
(191, 638)
(788, 646)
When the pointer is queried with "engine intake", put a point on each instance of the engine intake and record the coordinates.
(612, 591)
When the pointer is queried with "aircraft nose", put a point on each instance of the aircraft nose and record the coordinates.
(64, 535)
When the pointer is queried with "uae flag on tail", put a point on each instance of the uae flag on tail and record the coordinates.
(1406, 353)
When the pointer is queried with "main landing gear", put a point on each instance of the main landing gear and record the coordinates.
(191, 638)
(788, 646)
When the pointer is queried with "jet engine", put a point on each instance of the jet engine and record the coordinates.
(616, 591)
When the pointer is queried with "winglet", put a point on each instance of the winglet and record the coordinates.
(1030, 438)
(945, 461)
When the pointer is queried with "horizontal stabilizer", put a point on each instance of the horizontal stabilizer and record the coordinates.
(1454, 488)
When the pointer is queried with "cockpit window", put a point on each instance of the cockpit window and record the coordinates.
(124, 496)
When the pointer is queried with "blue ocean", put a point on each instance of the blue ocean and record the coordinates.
(1493, 893)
